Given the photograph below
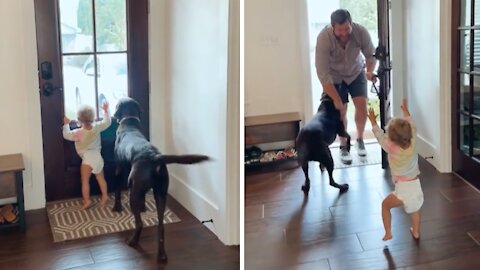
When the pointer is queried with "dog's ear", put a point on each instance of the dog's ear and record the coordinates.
(118, 111)
(139, 108)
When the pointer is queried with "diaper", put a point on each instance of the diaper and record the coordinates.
(94, 160)
(411, 194)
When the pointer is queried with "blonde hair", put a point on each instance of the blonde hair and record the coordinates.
(85, 114)
(400, 132)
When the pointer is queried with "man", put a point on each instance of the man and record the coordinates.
(341, 71)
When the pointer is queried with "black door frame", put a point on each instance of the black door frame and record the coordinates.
(464, 165)
(382, 53)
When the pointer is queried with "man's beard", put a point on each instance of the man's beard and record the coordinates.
(343, 38)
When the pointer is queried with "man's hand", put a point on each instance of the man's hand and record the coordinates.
(372, 117)
(66, 121)
(370, 76)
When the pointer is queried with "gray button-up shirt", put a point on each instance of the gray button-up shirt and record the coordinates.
(334, 63)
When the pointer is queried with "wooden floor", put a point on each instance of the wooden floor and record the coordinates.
(284, 230)
(189, 245)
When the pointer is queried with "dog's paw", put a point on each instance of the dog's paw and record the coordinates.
(322, 168)
(162, 257)
(117, 207)
(132, 241)
(343, 188)
(306, 189)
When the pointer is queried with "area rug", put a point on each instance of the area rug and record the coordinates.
(374, 156)
(68, 222)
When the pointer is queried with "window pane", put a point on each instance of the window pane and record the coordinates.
(464, 134)
(76, 25)
(476, 49)
(111, 25)
(476, 95)
(465, 17)
(476, 138)
(112, 78)
(477, 12)
(78, 84)
(465, 50)
(464, 92)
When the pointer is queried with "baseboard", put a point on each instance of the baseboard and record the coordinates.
(197, 204)
(428, 151)
(438, 157)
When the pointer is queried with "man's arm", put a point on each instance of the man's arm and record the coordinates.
(322, 57)
(330, 90)
(371, 63)
(368, 50)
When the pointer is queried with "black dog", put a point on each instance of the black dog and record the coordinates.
(315, 137)
(146, 169)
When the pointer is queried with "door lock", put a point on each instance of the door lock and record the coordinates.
(48, 89)
(46, 70)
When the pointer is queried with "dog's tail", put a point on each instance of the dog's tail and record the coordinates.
(182, 159)
(163, 160)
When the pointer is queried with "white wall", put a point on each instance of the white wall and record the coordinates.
(158, 79)
(277, 71)
(193, 96)
(427, 76)
(19, 96)
(397, 55)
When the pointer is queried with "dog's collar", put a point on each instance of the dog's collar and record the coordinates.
(128, 117)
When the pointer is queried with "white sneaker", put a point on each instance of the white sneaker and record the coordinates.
(345, 156)
(361, 148)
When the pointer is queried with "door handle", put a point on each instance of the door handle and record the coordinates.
(48, 89)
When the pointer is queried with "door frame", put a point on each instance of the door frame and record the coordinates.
(52, 106)
(461, 164)
(382, 54)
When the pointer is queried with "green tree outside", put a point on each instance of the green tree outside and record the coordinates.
(110, 21)
(363, 12)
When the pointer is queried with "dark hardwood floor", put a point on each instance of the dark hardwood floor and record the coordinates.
(189, 245)
(328, 230)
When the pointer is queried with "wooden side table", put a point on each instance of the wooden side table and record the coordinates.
(11, 187)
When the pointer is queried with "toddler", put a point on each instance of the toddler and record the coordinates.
(87, 144)
(400, 142)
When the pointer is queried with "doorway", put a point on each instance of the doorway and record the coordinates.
(366, 13)
(89, 51)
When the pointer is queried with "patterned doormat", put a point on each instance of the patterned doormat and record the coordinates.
(374, 156)
(68, 222)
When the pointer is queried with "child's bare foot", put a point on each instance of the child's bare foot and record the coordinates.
(415, 235)
(104, 200)
(387, 236)
(86, 205)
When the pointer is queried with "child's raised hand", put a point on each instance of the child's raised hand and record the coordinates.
(404, 108)
(371, 116)
(105, 106)
(66, 121)
(403, 105)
